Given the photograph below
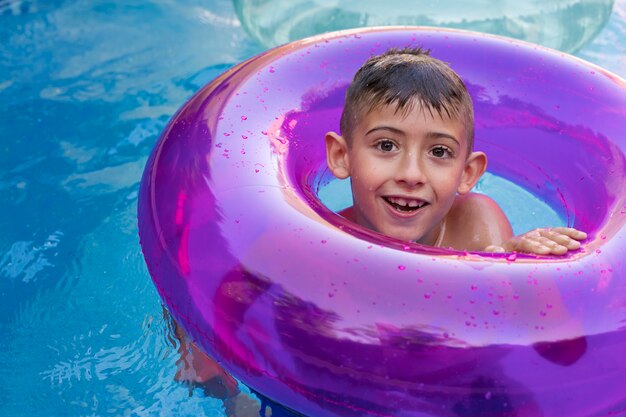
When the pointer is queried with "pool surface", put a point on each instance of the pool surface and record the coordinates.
(85, 89)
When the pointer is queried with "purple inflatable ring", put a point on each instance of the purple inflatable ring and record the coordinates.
(331, 319)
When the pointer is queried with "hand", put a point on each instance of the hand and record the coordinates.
(243, 405)
(197, 369)
(546, 241)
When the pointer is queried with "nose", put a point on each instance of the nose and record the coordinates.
(410, 170)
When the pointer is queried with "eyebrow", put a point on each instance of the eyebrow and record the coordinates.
(389, 128)
(437, 135)
(430, 135)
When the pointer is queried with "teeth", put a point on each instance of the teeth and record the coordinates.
(404, 204)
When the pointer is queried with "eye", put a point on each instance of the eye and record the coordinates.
(385, 145)
(441, 152)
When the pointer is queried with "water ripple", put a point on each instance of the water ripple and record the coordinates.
(25, 260)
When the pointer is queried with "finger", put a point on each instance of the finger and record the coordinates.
(553, 247)
(494, 249)
(529, 245)
(560, 238)
(571, 232)
(541, 246)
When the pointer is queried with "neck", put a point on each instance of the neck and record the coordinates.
(435, 236)
(442, 232)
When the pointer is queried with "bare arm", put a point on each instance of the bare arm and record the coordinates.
(480, 225)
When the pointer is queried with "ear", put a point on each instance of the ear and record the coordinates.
(475, 166)
(337, 155)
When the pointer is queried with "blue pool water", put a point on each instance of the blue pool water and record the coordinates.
(85, 88)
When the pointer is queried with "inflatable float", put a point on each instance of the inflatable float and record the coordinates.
(331, 319)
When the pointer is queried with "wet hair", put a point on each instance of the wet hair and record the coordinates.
(405, 78)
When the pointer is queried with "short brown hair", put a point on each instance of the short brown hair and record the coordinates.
(407, 77)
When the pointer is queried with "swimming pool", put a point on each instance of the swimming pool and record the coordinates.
(86, 87)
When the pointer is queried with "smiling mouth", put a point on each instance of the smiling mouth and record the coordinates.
(405, 205)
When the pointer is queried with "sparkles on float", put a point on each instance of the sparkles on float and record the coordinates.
(331, 319)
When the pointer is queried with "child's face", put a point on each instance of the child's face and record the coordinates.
(405, 170)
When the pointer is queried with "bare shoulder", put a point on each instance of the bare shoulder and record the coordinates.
(476, 221)
(476, 205)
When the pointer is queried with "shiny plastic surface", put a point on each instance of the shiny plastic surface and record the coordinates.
(331, 319)
(566, 25)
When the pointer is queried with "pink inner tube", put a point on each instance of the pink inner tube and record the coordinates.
(331, 319)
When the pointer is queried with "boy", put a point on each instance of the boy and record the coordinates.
(408, 132)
